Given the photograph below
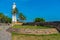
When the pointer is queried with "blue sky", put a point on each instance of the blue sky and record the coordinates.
(47, 9)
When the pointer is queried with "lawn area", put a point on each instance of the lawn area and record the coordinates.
(31, 27)
(16, 36)
(35, 37)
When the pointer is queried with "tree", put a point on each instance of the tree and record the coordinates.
(39, 20)
(15, 11)
(1, 17)
(7, 19)
(4, 19)
(22, 17)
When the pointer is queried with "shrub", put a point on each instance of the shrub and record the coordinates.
(39, 20)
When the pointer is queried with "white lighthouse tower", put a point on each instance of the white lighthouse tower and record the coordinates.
(14, 19)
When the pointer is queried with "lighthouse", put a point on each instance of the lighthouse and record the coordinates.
(14, 19)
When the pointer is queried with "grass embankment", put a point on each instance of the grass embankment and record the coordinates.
(31, 27)
(16, 36)
(35, 37)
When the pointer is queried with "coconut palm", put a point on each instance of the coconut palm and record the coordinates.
(4, 19)
(1, 17)
(22, 17)
(14, 11)
(7, 19)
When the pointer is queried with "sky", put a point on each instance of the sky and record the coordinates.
(47, 9)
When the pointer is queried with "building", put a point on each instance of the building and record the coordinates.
(14, 19)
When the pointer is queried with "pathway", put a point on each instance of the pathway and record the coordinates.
(4, 35)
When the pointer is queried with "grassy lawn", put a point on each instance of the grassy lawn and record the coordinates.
(16, 36)
(31, 27)
(35, 37)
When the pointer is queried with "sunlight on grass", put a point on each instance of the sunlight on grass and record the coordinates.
(35, 37)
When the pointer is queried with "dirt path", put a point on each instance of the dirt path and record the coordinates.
(4, 35)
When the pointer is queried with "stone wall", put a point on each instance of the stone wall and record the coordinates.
(38, 31)
(34, 31)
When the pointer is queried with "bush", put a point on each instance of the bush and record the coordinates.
(39, 20)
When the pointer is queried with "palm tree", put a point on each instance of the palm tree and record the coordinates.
(22, 17)
(1, 17)
(14, 11)
(4, 19)
(7, 19)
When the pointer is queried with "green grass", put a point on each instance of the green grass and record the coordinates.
(31, 27)
(35, 37)
(13, 33)
(16, 36)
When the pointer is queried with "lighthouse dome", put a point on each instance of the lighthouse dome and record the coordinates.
(14, 5)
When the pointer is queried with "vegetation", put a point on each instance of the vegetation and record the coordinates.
(35, 37)
(4, 19)
(39, 20)
(22, 17)
(31, 27)
(15, 11)
(16, 36)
